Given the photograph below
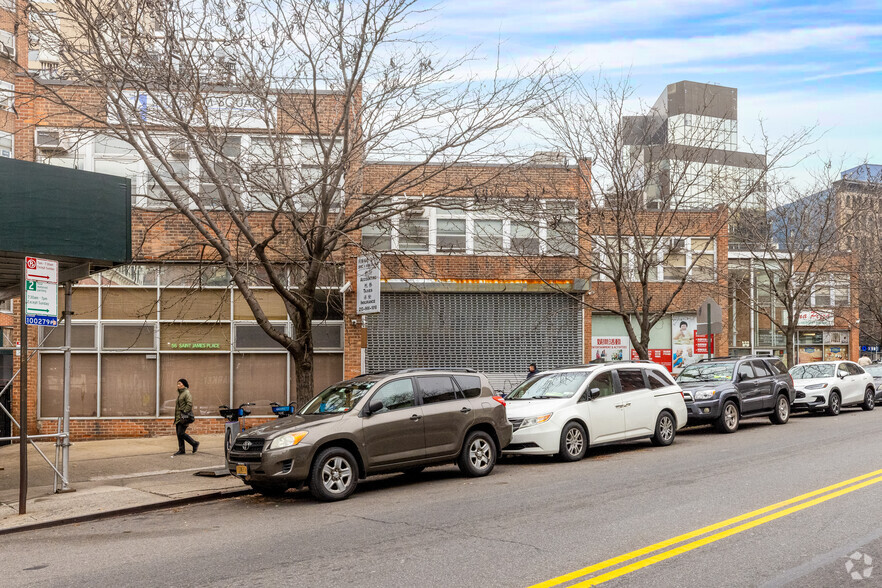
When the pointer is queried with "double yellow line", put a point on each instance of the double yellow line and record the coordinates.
(777, 510)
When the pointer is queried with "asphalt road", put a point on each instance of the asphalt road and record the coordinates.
(531, 521)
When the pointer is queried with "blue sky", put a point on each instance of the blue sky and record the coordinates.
(794, 63)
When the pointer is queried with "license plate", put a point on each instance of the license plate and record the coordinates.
(241, 470)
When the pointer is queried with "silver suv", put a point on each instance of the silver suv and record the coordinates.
(400, 420)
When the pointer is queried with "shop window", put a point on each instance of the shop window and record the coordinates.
(327, 369)
(128, 303)
(125, 337)
(83, 302)
(271, 303)
(208, 375)
(254, 337)
(128, 385)
(194, 337)
(810, 338)
(488, 236)
(83, 385)
(194, 305)
(327, 336)
(259, 378)
(81, 336)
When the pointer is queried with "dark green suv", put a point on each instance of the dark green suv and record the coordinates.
(723, 390)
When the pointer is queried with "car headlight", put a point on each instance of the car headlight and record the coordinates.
(536, 420)
(288, 440)
(704, 394)
(816, 386)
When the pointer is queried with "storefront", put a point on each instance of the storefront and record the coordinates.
(139, 328)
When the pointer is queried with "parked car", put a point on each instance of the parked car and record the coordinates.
(830, 385)
(724, 390)
(400, 420)
(875, 370)
(564, 411)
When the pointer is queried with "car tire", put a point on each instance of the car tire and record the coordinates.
(869, 399)
(478, 455)
(334, 475)
(573, 442)
(267, 489)
(834, 404)
(665, 430)
(729, 418)
(782, 410)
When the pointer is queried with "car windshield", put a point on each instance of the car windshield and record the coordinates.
(338, 398)
(874, 370)
(556, 385)
(708, 372)
(812, 370)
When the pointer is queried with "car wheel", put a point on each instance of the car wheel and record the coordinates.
(478, 455)
(834, 405)
(869, 399)
(573, 442)
(729, 418)
(269, 489)
(665, 430)
(334, 474)
(782, 410)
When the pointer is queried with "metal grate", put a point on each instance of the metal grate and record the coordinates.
(495, 333)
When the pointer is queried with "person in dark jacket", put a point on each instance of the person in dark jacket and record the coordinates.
(532, 371)
(184, 404)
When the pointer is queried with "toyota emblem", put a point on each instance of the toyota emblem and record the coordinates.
(246, 445)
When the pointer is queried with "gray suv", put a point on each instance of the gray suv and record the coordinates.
(400, 420)
(723, 390)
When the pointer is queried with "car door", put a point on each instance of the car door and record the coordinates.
(446, 414)
(764, 381)
(856, 382)
(638, 402)
(606, 417)
(395, 433)
(750, 399)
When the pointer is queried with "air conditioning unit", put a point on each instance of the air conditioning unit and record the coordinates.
(51, 141)
(178, 146)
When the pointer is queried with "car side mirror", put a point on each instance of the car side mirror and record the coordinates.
(594, 393)
(375, 406)
(842, 374)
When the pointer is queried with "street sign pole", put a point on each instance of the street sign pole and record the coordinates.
(710, 339)
(23, 400)
(65, 442)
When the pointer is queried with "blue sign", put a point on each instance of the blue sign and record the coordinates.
(870, 348)
(42, 321)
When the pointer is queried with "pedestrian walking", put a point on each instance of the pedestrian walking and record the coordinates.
(184, 416)
(864, 361)
(532, 371)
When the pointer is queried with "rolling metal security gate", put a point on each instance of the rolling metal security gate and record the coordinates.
(496, 333)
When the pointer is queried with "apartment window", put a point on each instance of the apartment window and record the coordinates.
(489, 236)
(7, 45)
(703, 259)
(525, 238)
(225, 172)
(7, 96)
(377, 237)
(413, 231)
(7, 144)
(675, 260)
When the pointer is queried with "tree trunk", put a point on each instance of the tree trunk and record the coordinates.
(790, 348)
(302, 354)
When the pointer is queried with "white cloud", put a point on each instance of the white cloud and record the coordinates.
(842, 74)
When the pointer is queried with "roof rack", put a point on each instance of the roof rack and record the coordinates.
(435, 369)
(736, 357)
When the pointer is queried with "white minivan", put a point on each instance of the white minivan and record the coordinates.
(564, 411)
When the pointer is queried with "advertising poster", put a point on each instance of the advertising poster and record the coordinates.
(610, 348)
(659, 356)
(683, 328)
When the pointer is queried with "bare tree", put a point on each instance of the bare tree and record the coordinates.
(254, 120)
(657, 199)
(799, 263)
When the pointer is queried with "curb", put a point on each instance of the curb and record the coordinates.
(173, 503)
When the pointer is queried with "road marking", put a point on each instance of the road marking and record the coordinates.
(834, 491)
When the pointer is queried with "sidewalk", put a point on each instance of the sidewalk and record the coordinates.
(110, 476)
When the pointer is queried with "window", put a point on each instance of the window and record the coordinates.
(760, 369)
(525, 238)
(745, 372)
(395, 395)
(81, 336)
(123, 337)
(327, 336)
(853, 368)
(413, 233)
(777, 366)
(657, 380)
(470, 385)
(703, 259)
(377, 237)
(7, 45)
(631, 380)
(675, 261)
(451, 235)
(7, 145)
(603, 383)
(254, 337)
(7, 96)
(488, 236)
(437, 389)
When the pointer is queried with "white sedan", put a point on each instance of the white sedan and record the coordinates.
(562, 412)
(830, 385)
